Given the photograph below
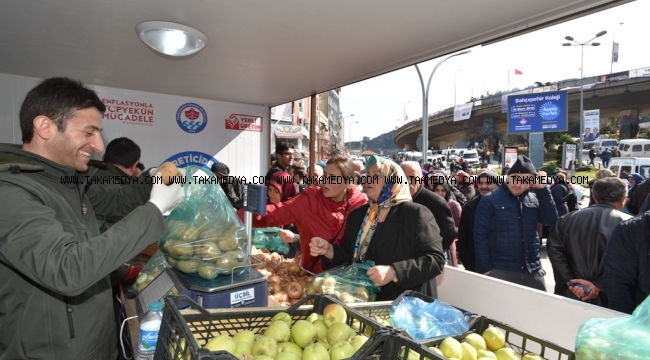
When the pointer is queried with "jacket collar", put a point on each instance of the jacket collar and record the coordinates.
(12, 155)
(507, 190)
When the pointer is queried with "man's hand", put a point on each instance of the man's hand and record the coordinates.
(581, 294)
(166, 197)
(380, 275)
(319, 246)
(540, 184)
(287, 236)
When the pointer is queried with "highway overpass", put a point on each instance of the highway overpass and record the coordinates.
(612, 98)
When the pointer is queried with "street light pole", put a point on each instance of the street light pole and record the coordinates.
(582, 113)
(425, 102)
(350, 131)
(611, 68)
(404, 118)
(455, 86)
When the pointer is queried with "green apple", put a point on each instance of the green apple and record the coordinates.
(342, 350)
(494, 338)
(186, 356)
(265, 345)
(243, 355)
(469, 353)
(506, 354)
(322, 329)
(531, 356)
(288, 356)
(243, 347)
(451, 348)
(325, 344)
(282, 316)
(334, 313)
(222, 342)
(290, 347)
(358, 341)
(246, 336)
(263, 357)
(315, 352)
(476, 341)
(304, 333)
(486, 354)
(339, 331)
(278, 331)
(313, 317)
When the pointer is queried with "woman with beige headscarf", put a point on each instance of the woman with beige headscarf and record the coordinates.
(401, 237)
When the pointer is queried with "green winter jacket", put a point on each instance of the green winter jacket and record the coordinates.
(55, 294)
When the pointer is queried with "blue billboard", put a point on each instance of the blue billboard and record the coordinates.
(540, 112)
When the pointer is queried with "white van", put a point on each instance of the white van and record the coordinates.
(608, 144)
(623, 167)
(450, 154)
(471, 156)
(634, 148)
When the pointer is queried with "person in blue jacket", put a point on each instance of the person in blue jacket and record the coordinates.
(506, 242)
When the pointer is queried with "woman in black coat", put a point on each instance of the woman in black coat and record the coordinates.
(401, 237)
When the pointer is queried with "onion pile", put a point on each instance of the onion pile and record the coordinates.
(286, 280)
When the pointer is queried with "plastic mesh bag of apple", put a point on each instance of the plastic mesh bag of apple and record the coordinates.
(349, 282)
(623, 338)
(149, 272)
(206, 238)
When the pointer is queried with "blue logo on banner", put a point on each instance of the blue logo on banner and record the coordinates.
(191, 118)
(188, 158)
(549, 111)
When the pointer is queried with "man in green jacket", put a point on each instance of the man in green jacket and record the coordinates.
(55, 294)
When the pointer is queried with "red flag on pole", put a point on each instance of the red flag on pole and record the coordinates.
(517, 72)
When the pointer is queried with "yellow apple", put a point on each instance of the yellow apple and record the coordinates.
(494, 338)
(469, 353)
(451, 348)
(506, 354)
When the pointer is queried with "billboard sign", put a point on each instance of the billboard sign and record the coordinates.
(591, 131)
(541, 112)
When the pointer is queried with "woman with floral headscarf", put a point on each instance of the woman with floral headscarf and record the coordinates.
(401, 237)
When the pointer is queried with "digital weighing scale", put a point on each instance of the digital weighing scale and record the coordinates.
(248, 289)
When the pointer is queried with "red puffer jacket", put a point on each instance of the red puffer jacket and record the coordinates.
(314, 215)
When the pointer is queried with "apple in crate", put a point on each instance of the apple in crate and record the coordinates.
(334, 313)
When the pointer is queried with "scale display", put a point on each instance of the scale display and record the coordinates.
(255, 199)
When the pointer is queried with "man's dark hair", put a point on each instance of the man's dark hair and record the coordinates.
(122, 151)
(299, 170)
(58, 99)
(609, 189)
(282, 147)
(140, 166)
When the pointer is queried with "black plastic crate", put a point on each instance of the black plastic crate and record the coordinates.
(517, 340)
(182, 335)
(383, 311)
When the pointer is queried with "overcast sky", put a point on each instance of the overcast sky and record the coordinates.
(378, 104)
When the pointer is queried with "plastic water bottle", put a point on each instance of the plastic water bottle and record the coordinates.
(149, 329)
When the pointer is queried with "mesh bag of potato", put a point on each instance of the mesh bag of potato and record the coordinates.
(621, 338)
(349, 282)
(206, 238)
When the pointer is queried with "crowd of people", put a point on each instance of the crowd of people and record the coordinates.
(63, 246)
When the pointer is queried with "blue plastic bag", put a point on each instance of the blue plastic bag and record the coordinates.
(423, 320)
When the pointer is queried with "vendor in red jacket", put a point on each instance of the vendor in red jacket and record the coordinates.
(318, 211)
